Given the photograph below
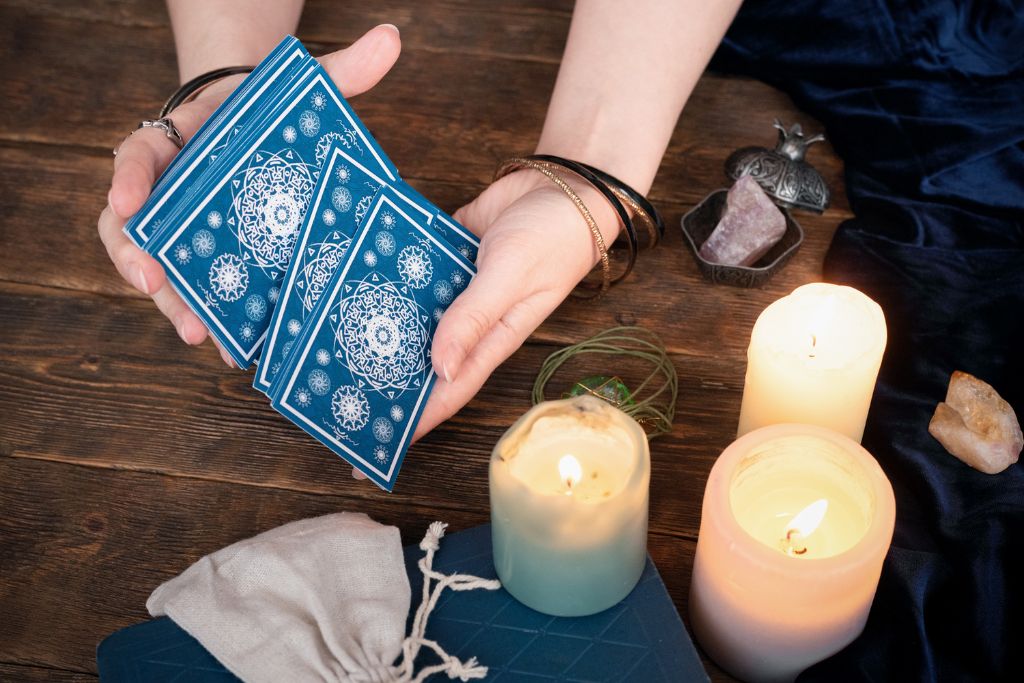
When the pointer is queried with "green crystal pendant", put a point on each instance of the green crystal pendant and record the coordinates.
(611, 389)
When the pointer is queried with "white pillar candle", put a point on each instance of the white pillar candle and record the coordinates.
(569, 485)
(795, 525)
(813, 358)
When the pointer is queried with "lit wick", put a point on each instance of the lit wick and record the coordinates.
(571, 471)
(802, 525)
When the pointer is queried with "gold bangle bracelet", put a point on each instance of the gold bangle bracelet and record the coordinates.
(518, 163)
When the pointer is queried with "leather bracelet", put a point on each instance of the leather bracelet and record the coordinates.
(640, 205)
(517, 163)
(192, 88)
(613, 199)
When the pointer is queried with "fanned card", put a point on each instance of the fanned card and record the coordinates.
(238, 110)
(228, 246)
(360, 372)
(341, 200)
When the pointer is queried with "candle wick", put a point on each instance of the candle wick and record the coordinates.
(814, 344)
(792, 545)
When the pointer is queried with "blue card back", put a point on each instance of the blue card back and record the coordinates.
(359, 376)
(238, 110)
(341, 200)
(229, 246)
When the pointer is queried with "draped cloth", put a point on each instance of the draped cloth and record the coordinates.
(924, 102)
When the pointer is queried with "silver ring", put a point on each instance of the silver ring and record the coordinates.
(165, 124)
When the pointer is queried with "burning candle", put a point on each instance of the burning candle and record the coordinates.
(813, 358)
(569, 486)
(795, 524)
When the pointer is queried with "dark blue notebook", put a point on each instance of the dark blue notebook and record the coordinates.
(640, 639)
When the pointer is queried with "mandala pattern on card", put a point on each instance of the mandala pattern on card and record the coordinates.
(293, 327)
(350, 408)
(318, 100)
(444, 292)
(289, 134)
(214, 219)
(415, 267)
(269, 200)
(256, 307)
(385, 243)
(382, 334)
(362, 207)
(329, 217)
(247, 332)
(383, 430)
(343, 173)
(204, 244)
(273, 294)
(229, 277)
(182, 254)
(309, 123)
(321, 262)
(319, 382)
(302, 397)
(323, 357)
(397, 413)
(341, 198)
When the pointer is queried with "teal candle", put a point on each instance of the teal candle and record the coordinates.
(569, 488)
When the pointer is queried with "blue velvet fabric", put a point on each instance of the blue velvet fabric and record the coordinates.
(924, 101)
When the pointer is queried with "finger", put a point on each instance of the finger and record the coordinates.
(224, 355)
(188, 325)
(134, 265)
(500, 342)
(361, 65)
(496, 287)
(144, 155)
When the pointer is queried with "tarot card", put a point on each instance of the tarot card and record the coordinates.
(341, 199)
(457, 234)
(360, 375)
(227, 248)
(241, 107)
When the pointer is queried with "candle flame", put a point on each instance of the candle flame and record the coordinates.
(570, 470)
(808, 519)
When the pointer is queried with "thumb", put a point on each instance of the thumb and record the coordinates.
(487, 298)
(361, 65)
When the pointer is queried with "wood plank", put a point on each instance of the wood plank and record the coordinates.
(665, 292)
(85, 547)
(441, 116)
(532, 30)
(17, 673)
(129, 395)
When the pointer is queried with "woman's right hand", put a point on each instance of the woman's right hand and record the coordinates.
(144, 155)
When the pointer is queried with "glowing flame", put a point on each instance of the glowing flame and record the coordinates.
(823, 317)
(570, 470)
(808, 519)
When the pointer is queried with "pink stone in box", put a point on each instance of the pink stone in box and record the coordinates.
(751, 224)
(976, 425)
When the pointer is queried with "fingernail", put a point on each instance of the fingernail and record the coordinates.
(110, 202)
(447, 375)
(139, 278)
(181, 332)
(357, 475)
(394, 27)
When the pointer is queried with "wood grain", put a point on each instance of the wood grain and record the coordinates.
(125, 455)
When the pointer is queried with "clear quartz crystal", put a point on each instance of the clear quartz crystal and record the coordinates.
(751, 224)
(976, 425)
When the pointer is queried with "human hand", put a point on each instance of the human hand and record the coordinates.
(535, 247)
(145, 154)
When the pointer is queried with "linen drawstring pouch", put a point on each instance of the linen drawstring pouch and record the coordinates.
(322, 599)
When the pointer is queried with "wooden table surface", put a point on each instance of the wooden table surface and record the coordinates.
(126, 455)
